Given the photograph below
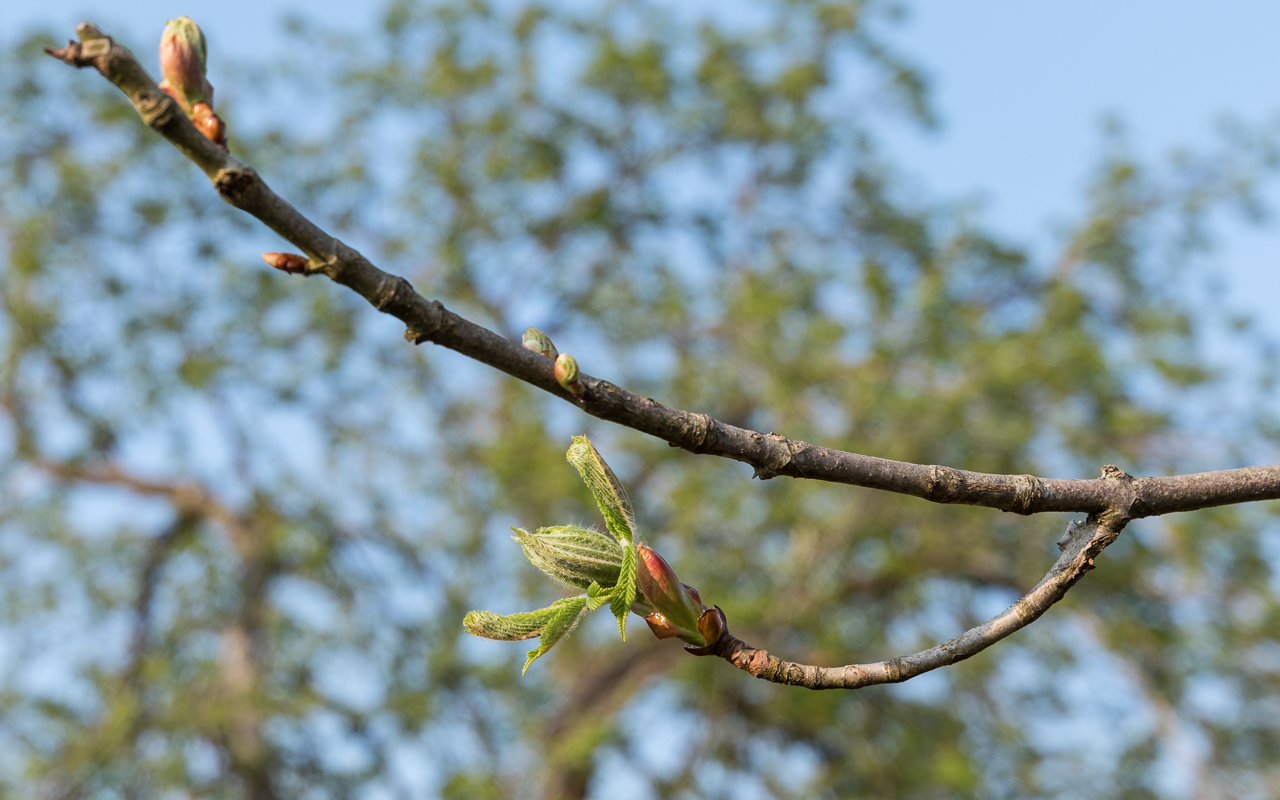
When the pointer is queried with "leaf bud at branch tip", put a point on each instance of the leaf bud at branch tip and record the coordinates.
(539, 342)
(183, 59)
(183, 56)
(567, 375)
(291, 263)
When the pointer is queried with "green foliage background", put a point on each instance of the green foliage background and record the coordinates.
(699, 210)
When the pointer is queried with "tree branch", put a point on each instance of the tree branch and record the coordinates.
(189, 498)
(1111, 501)
(771, 455)
(1079, 545)
(158, 551)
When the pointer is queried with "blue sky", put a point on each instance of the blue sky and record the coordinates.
(1021, 88)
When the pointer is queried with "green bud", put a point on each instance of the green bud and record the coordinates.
(567, 374)
(183, 54)
(576, 557)
(539, 342)
(677, 608)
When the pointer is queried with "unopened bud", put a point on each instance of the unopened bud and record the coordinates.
(677, 608)
(567, 374)
(291, 263)
(539, 342)
(210, 124)
(183, 54)
(712, 625)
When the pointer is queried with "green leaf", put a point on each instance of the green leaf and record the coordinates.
(575, 557)
(624, 593)
(597, 596)
(511, 628)
(605, 487)
(568, 613)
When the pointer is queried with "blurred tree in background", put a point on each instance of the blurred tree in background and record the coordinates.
(242, 520)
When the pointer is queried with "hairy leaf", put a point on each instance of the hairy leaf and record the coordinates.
(568, 613)
(511, 628)
(605, 487)
(624, 593)
(575, 557)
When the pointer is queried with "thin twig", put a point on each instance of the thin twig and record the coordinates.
(1079, 545)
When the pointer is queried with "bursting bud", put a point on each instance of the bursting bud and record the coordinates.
(677, 609)
(575, 557)
(567, 374)
(539, 342)
(182, 62)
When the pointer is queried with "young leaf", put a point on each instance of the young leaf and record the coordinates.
(624, 593)
(576, 557)
(597, 596)
(511, 628)
(604, 485)
(568, 613)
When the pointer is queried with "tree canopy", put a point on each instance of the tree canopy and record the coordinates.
(242, 520)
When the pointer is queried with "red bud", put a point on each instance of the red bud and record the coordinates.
(712, 625)
(291, 263)
(210, 124)
(677, 607)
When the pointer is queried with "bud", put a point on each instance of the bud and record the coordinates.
(291, 263)
(567, 374)
(210, 124)
(539, 342)
(182, 62)
(576, 557)
(712, 625)
(677, 608)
